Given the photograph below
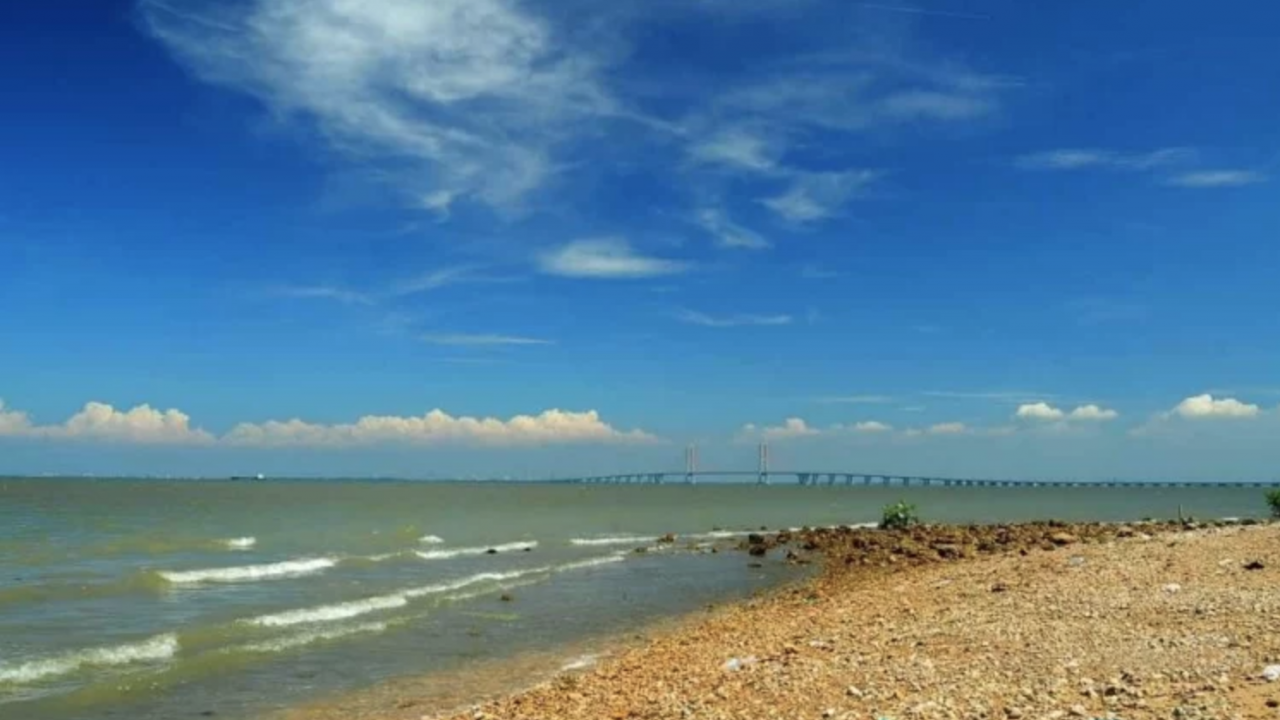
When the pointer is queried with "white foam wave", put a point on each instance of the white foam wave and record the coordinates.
(307, 638)
(619, 540)
(330, 613)
(483, 550)
(459, 597)
(161, 647)
(431, 539)
(461, 583)
(580, 663)
(718, 535)
(384, 557)
(240, 543)
(251, 573)
(592, 562)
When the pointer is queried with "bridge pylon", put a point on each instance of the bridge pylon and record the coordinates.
(763, 477)
(691, 464)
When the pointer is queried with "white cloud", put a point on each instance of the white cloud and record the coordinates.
(1217, 178)
(1206, 407)
(948, 428)
(1085, 158)
(1039, 411)
(605, 258)
(437, 427)
(1093, 413)
(818, 196)
(737, 148)
(474, 93)
(1042, 411)
(322, 292)
(13, 422)
(697, 318)
(728, 233)
(790, 428)
(100, 421)
(872, 426)
(482, 340)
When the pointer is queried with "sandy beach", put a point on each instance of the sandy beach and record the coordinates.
(1029, 621)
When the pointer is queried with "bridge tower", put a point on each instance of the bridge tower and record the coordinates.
(691, 464)
(763, 477)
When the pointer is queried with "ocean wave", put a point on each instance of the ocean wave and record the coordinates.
(250, 573)
(460, 583)
(240, 543)
(619, 540)
(306, 638)
(580, 663)
(431, 539)
(592, 562)
(717, 535)
(330, 613)
(481, 550)
(504, 587)
(161, 647)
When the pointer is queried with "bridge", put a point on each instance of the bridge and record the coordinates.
(764, 475)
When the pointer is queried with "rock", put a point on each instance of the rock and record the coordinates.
(668, 538)
(1124, 531)
(853, 692)
(1271, 673)
(757, 550)
(1273, 703)
(755, 565)
(490, 551)
(829, 713)
(999, 587)
(1254, 565)
(1079, 711)
(1172, 588)
(1063, 538)
(506, 597)
(755, 539)
(948, 551)
(1013, 713)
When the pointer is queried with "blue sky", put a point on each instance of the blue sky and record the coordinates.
(970, 237)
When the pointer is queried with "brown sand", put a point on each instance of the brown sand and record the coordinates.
(1022, 622)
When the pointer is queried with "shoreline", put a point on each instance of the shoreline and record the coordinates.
(896, 623)
(998, 621)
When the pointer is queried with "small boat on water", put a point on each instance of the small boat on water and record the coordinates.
(259, 476)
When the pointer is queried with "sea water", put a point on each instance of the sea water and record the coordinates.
(153, 599)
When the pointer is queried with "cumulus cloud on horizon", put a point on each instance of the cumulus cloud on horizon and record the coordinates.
(144, 425)
(1200, 407)
(1042, 411)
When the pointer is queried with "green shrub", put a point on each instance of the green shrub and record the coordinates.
(1273, 499)
(899, 516)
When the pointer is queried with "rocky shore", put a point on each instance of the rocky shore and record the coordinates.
(1040, 620)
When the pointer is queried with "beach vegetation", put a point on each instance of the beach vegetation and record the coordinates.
(899, 516)
(1273, 501)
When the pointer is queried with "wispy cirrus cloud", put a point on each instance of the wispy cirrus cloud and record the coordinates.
(445, 277)
(472, 97)
(1094, 158)
(693, 317)
(606, 258)
(1216, 179)
(996, 395)
(855, 399)
(322, 292)
(717, 223)
(812, 197)
(482, 340)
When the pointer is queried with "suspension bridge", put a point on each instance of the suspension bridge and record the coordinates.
(763, 474)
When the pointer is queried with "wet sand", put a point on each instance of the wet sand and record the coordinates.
(995, 622)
